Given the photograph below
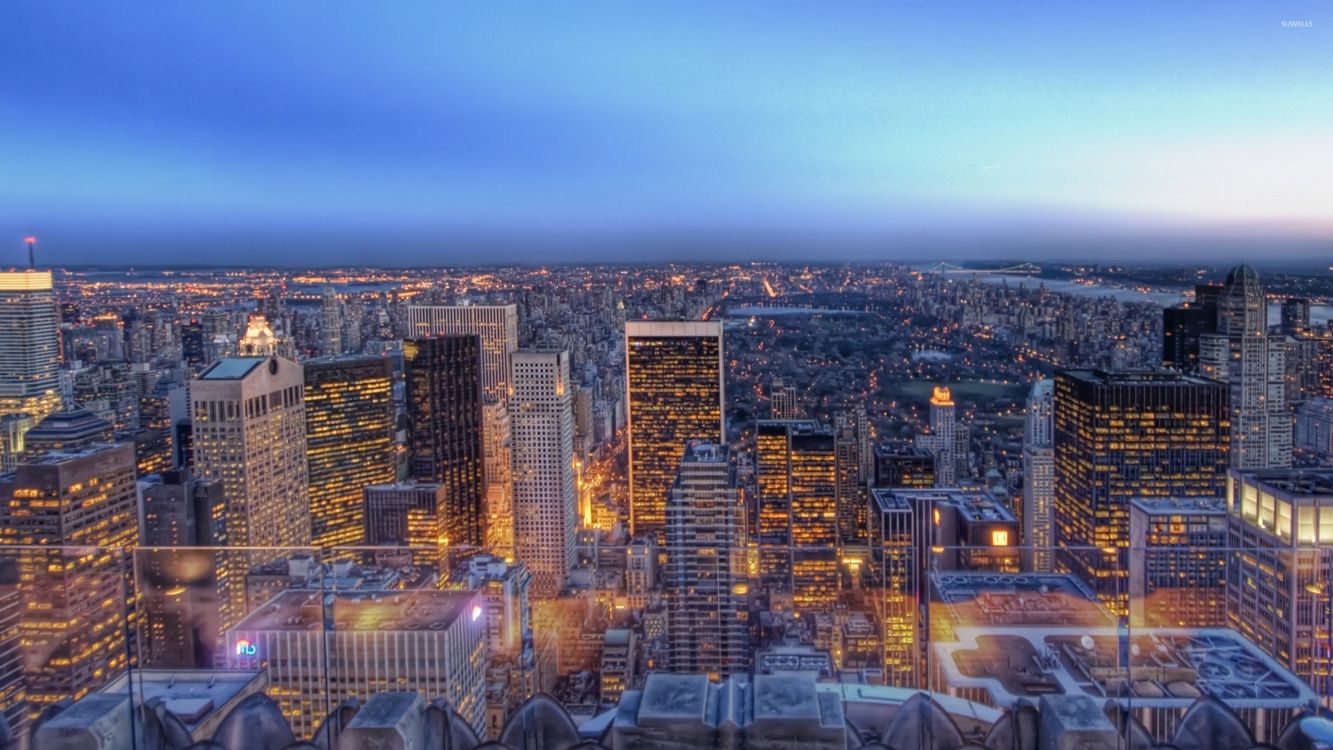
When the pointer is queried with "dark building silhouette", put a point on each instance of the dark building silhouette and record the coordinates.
(445, 409)
(1184, 324)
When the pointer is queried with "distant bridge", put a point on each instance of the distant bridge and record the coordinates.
(1022, 269)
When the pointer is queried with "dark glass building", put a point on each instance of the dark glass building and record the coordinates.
(349, 423)
(1184, 324)
(1125, 435)
(444, 405)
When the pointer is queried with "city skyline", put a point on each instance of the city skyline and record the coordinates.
(452, 134)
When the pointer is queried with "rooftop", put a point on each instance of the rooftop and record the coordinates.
(1198, 506)
(1136, 377)
(1166, 667)
(372, 611)
(232, 368)
(1308, 482)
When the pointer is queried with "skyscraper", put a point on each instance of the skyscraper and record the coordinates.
(1243, 355)
(1295, 315)
(705, 571)
(249, 433)
(1280, 568)
(1122, 435)
(73, 516)
(942, 441)
(349, 418)
(444, 406)
(545, 498)
(330, 323)
(796, 479)
(855, 472)
(1039, 477)
(1177, 562)
(1184, 324)
(783, 400)
(674, 375)
(29, 350)
(497, 325)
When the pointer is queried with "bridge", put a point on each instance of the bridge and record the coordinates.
(1022, 269)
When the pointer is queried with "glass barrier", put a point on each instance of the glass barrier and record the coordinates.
(203, 634)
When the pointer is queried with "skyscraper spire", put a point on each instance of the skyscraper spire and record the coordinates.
(32, 244)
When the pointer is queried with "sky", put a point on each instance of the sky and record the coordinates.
(419, 132)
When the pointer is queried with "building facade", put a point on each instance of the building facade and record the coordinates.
(29, 352)
(704, 580)
(1037, 511)
(349, 418)
(545, 495)
(1121, 435)
(1253, 365)
(675, 392)
(445, 410)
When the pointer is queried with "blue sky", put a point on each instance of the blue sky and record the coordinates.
(420, 132)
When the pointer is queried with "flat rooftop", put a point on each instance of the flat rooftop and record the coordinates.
(1164, 667)
(427, 609)
(1136, 377)
(987, 599)
(231, 368)
(1300, 482)
(1195, 506)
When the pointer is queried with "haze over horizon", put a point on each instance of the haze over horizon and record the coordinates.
(414, 133)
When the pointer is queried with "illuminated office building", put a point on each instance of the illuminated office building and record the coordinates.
(674, 388)
(1280, 568)
(444, 406)
(409, 514)
(914, 532)
(248, 432)
(545, 496)
(1037, 510)
(74, 515)
(1177, 562)
(1122, 435)
(29, 352)
(422, 641)
(1253, 365)
(704, 581)
(13, 689)
(797, 501)
(497, 325)
(855, 471)
(349, 421)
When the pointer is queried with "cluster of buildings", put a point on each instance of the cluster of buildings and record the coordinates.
(480, 502)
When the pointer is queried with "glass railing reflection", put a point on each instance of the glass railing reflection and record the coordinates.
(200, 630)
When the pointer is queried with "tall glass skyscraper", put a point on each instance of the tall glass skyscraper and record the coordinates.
(1253, 365)
(674, 375)
(29, 352)
(349, 420)
(1122, 435)
(444, 406)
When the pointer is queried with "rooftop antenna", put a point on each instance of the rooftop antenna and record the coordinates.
(32, 243)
